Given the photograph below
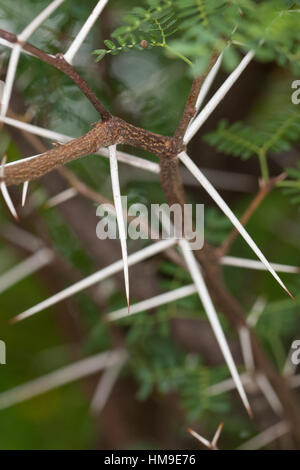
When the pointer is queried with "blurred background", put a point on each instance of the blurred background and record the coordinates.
(173, 355)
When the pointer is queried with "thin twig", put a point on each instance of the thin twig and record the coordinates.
(58, 61)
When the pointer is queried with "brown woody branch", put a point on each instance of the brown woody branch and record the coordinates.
(169, 168)
(61, 64)
(190, 106)
(113, 131)
(61, 154)
(255, 203)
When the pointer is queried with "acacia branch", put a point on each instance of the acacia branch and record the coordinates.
(19, 172)
(111, 132)
(58, 61)
(191, 103)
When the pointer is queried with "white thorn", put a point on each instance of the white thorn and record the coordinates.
(245, 340)
(16, 51)
(2, 86)
(217, 98)
(214, 442)
(4, 191)
(207, 84)
(258, 265)
(38, 20)
(106, 384)
(40, 131)
(153, 302)
(8, 200)
(132, 160)
(266, 437)
(269, 393)
(227, 385)
(60, 377)
(27, 267)
(213, 319)
(256, 311)
(210, 445)
(96, 277)
(69, 55)
(24, 192)
(228, 212)
(114, 174)
(10, 45)
(10, 77)
(20, 237)
(61, 197)
(199, 438)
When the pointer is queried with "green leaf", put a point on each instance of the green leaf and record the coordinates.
(100, 53)
(109, 44)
